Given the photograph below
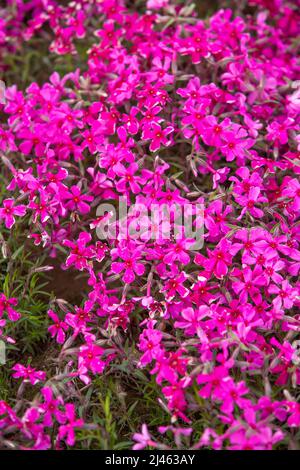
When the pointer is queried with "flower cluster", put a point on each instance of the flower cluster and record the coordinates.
(168, 110)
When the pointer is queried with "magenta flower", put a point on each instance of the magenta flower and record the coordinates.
(285, 297)
(128, 178)
(90, 358)
(245, 180)
(192, 322)
(6, 305)
(29, 374)
(249, 202)
(67, 431)
(9, 210)
(32, 140)
(143, 439)
(214, 383)
(130, 264)
(213, 131)
(160, 70)
(77, 201)
(216, 218)
(248, 243)
(178, 252)
(218, 260)
(80, 253)
(235, 144)
(58, 329)
(157, 135)
(130, 120)
(233, 394)
(175, 286)
(149, 344)
(292, 190)
(51, 407)
(278, 131)
(168, 111)
(250, 284)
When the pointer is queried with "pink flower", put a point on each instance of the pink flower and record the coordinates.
(29, 374)
(77, 201)
(232, 395)
(250, 284)
(157, 135)
(128, 178)
(50, 407)
(6, 305)
(149, 344)
(10, 210)
(143, 439)
(285, 295)
(130, 264)
(80, 253)
(175, 286)
(214, 383)
(249, 202)
(215, 218)
(58, 329)
(178, 252)
(214, 132)
(278, 131)
(67, 431)
(218, 260)
(235, 145)
(159, 72)
(192, 322)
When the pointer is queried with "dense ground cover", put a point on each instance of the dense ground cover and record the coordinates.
(146, 338)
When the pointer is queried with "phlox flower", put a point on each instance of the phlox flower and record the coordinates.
(143, 439)
(278, 131)
(233, 394)
(215, 218)
(247, 240)
(80, 253)
(130, 264)
(292, 190)
(178, 252)
(149, 344)
(157, 135)
(89, 358)
(28, 373)
(285, 295)
(214, 131)
(214, 383)
(235, 144)
(160, 70)
(218, 260)
(77, 201)
(168, 366)
(6, 305)
(250, 283)
(9, 210)
(130, 120)
(175, 395)
(51, 407)
(58, 329)
(245, 181)
(67, 431)
(249, 202)
(175, 286)
(128, 178)
(191, 321)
